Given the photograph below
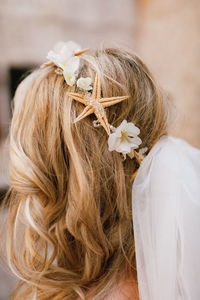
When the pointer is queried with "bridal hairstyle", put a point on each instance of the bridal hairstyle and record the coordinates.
(69, 231)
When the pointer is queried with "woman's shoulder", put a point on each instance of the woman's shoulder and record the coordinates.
(171, 158)
(161, 158)
(171, 152)
(175, 155)
(169, 147)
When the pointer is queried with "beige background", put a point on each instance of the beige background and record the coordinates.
(168, 39)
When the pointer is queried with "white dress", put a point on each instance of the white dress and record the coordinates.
(166, 221)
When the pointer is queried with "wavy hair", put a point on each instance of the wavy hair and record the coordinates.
(69, 230)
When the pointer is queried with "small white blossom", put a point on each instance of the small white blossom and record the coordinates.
(70, 69)
(84, 83)
(66, 49)
(71, 62)
(124, 139)
(70, 78)
(71, 65)
(63, 57)
(62, 53)
(54, 57)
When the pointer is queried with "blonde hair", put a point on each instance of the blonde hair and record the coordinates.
(69, 228)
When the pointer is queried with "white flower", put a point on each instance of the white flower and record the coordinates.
(63, 57)
(66, 49)
(84, 83)
(124, 139)
(62, 53)
(70, 69)
(54, 57)
(70, 78)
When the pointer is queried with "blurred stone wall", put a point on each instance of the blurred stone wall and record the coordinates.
(28, 29)
(168, 40)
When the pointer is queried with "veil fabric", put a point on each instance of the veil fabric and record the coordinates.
(166, 222)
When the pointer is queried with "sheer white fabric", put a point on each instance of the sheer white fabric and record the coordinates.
(166, 221)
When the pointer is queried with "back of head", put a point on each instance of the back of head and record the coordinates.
(69, 227)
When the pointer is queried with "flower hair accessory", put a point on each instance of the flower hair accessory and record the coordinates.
(66, 57)
(123, 139)
(84, 83)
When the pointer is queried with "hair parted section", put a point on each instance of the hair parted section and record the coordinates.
(69, 231)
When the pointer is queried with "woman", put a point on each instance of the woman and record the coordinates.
(81, 125)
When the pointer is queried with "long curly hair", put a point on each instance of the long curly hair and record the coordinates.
(69, 231)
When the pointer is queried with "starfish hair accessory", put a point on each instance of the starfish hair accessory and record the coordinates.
(123, 139)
